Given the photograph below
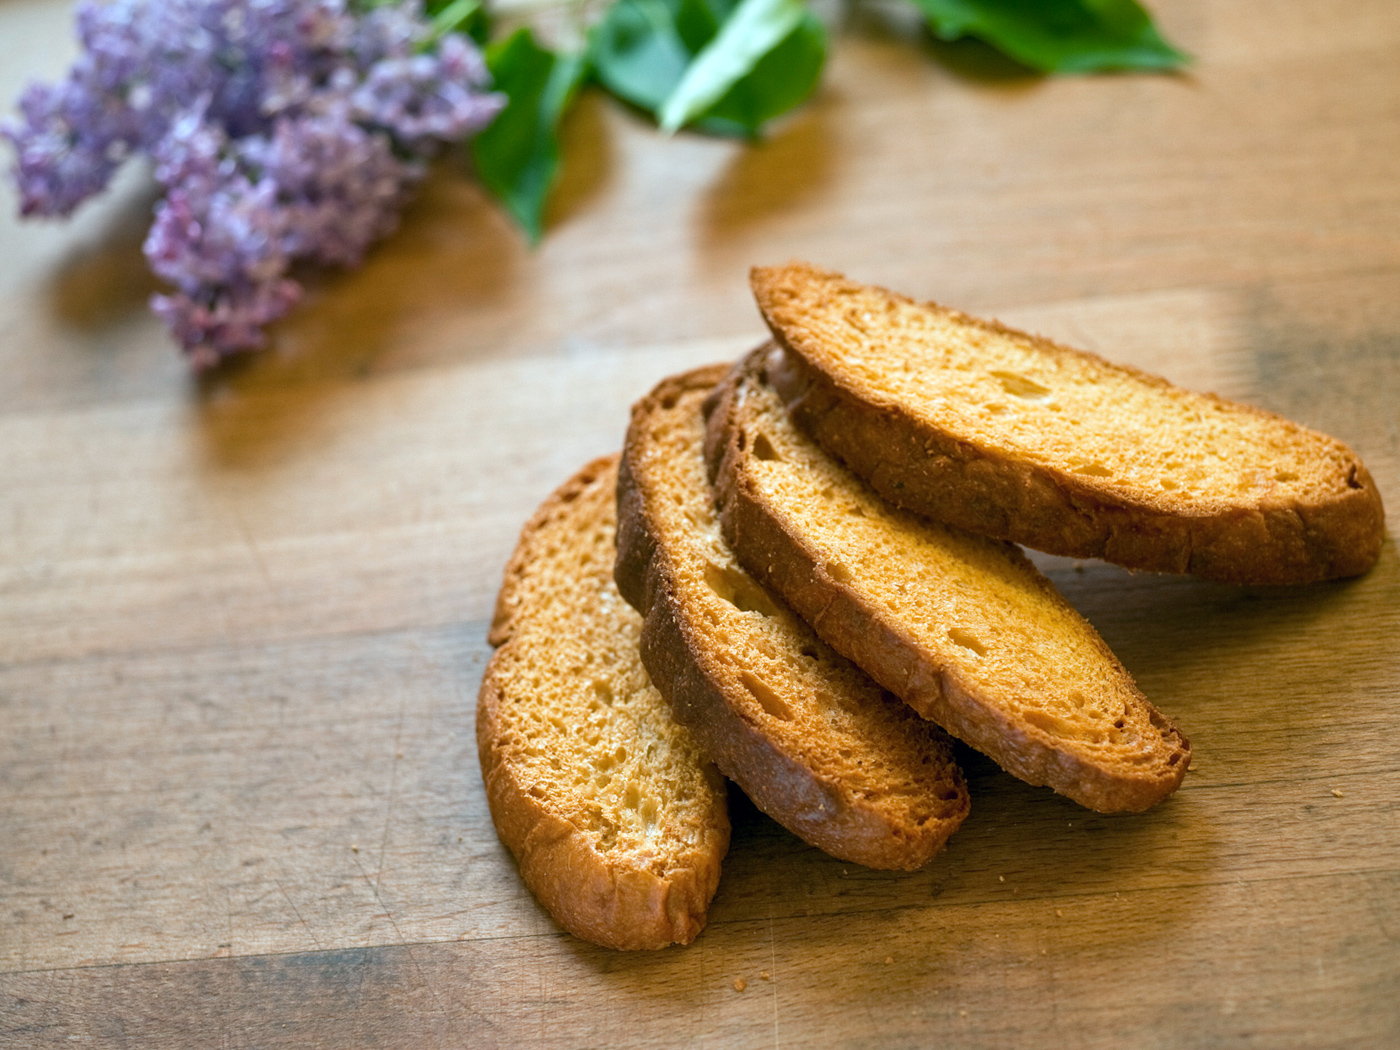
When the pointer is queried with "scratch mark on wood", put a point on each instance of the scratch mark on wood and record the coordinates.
(295, 911)
(773, 963)
(403, 941)
(393, 786)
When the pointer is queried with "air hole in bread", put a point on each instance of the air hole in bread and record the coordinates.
(735, 587)
(1045, 721)
(1019, 386)
(1285, 475)
(809, 652)
(860, 320)
(1170, 484)
(1094, 470)
(967, 640)
(1351, 479)
(770, 701)
(838, 572)
(1174, 758)
(763, 448)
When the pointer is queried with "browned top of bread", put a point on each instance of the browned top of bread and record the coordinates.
(1017, 437)
(813, 741)
(617, 820)
(962, 627)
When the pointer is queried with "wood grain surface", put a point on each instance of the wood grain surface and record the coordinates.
(243, 617)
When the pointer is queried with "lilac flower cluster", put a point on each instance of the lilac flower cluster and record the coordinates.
(280, 130)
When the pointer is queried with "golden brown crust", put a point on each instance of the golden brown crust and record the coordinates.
(618, 897)
(855, 774)
(778, 549)
(965, 478)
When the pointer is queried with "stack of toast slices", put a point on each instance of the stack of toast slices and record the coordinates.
(802, 574)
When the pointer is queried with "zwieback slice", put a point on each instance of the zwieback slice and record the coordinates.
(1014, 436)
(810, 738)
(618, 821)
(963, 628)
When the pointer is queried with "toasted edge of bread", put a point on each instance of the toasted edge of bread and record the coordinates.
(1029, 737)
(613, 897)
(810, 738)
(963, 476)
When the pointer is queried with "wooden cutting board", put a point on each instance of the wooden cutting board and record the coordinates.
(242, 619)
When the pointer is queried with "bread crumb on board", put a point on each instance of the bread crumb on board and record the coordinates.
(765, 975)
(740, 984)
(1337, 792)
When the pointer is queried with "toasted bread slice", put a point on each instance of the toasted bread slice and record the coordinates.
(1013, 436)
(618, 822)
(809, 737)
(961, 627)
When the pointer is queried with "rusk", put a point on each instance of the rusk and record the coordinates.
(809, 737)
(961, 627)
(618, 822)
(1014, 436)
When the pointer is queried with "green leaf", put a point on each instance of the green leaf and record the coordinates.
(755, 28)
(638, 53)
(781, 80)
(1059, 36)
(517, 156)
(457, 16)
(726, 69)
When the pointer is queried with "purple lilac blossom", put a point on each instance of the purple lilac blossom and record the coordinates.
(280, 130)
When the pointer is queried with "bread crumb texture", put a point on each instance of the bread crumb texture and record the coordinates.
(1065, 409)
(880, 784)
(578, 746)
(821, 705)
(1054, 446)
(965, 628)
